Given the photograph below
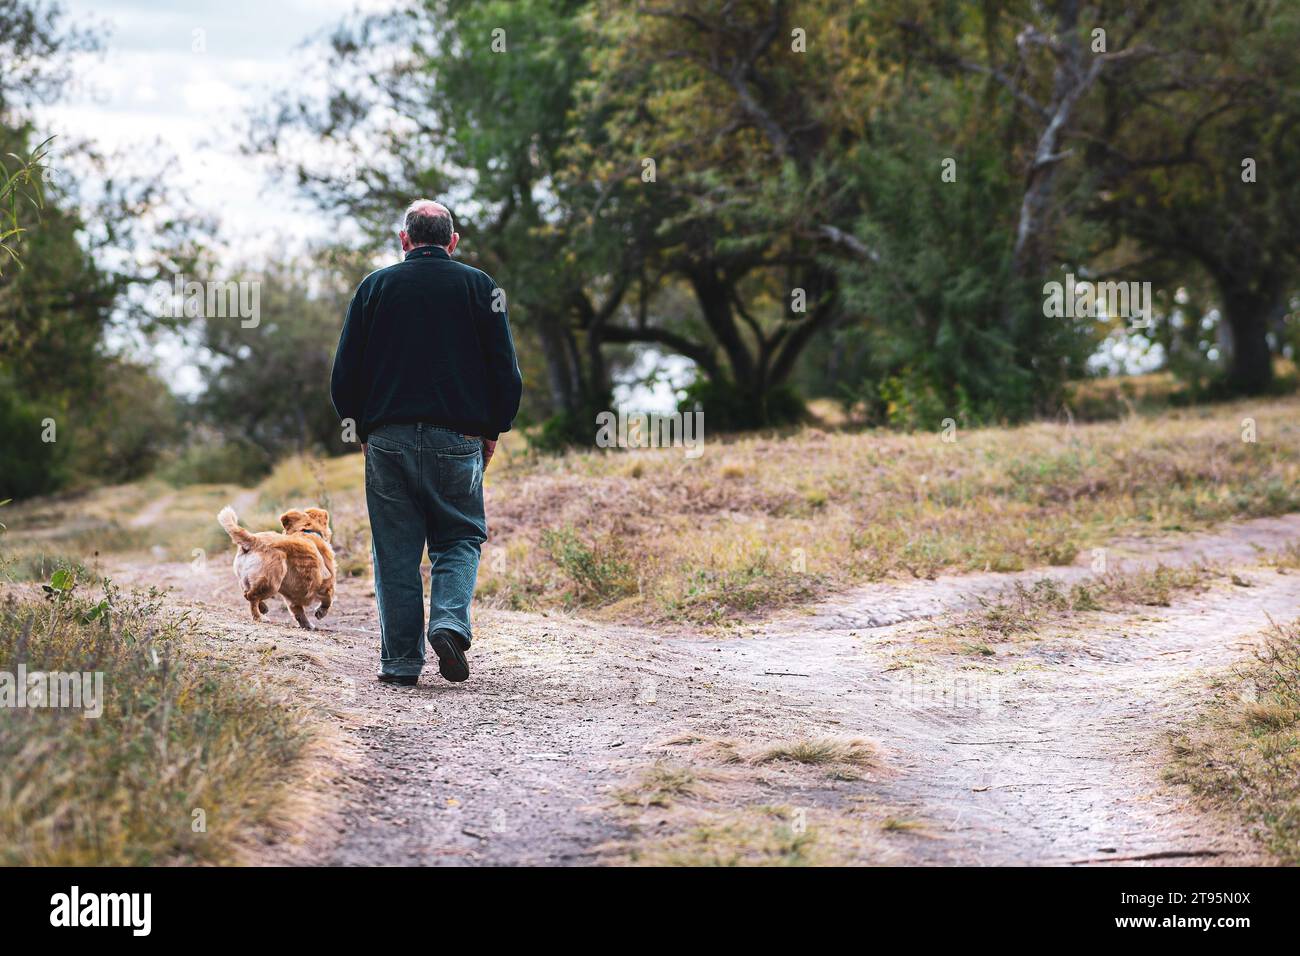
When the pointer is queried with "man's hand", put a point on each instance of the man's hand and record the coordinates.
(363, 449)
(488, 448)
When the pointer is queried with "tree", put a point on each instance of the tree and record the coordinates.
(1199, 163)
(588, 254)
(472, 105)
(59, 382)
(267, 385)
(1005, 44)
(1138, 117)
(742, 210)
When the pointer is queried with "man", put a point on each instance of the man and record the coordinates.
(426, 369)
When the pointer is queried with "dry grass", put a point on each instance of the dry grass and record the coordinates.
(822, 752)
(765, 521)
(747, 837)
(164, 523)
(896, 825)
(1026, 610)
(697, 811)
(1285, 559)
(192, 759)
(660, 786)
(1242, 752)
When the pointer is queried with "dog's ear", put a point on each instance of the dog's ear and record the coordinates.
(291, 517)
(320, 513)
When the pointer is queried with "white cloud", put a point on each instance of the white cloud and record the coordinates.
(149, 86)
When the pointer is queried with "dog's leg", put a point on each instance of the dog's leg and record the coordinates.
(325, 602)
(253, 605)
(300, 615)
(261, 606)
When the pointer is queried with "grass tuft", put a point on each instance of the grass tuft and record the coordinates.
(749, 838)
(660, 786)
(825, 751)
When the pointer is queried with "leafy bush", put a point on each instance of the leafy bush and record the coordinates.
(31, 466)
(209, 459)
(728, 408)
(561, 432)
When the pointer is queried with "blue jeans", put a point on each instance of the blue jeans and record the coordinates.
(424, 486)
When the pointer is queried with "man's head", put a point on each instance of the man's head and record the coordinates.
(428, 223)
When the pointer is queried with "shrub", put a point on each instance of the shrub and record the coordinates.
(213, 460)
(598, 572)
(729, 408)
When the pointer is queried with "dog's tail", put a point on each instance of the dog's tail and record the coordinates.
(245, 539)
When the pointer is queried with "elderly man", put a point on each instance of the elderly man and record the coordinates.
(426, 369)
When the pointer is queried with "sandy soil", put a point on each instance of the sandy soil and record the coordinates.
(1049, 752)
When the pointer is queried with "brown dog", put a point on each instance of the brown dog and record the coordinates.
(298, 564)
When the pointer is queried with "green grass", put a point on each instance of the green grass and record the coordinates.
(596, 569)
(180, 732)
(1242, 751)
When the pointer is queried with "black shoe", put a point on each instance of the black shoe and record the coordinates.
(451, 656)
(401, 680)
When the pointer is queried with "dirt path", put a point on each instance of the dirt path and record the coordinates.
(513, 767)
(152, 512)
(1047, 754)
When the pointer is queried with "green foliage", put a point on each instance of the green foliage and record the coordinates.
(210, 458)
(267, 386)
(597, 571)
(133, 420)
(562, 431)
(111, 417)
(955, 334)
(728, 408)
(18, 181)
(31, 465)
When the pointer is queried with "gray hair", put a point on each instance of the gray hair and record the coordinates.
(428, 224)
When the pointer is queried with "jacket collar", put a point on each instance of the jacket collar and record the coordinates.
(427, 252)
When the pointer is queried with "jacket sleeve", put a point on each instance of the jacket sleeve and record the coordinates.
(505, 384)
(346, 378)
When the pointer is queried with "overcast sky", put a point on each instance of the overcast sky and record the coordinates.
(177, 81)
(179, 78)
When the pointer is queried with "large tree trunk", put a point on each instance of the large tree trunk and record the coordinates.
(1248, 313)
(563, 373)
